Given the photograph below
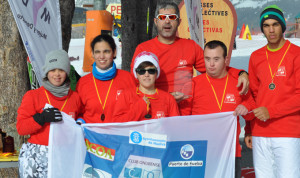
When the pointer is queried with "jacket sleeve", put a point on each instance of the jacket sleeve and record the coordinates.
(25, 122)
(126, 110)
(199, 61)
(253, 80)
(234, 72)
(173, 107)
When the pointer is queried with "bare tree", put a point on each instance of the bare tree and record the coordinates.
(14, 80)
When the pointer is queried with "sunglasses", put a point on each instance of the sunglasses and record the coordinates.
(165, 16)
(143, 71)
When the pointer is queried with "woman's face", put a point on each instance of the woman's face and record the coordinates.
(57, 77)
(147, 80)
(103, 55)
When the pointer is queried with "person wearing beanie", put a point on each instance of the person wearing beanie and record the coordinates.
(145, 101)
(274, 72)
(34, 118)
(99, 91)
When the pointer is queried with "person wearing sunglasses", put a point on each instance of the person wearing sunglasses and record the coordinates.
(177, 56)
(145, 101)
(99, 90)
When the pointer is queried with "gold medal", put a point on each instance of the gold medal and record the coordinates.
(148, 116)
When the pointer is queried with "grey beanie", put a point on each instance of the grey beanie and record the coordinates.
(57, 59)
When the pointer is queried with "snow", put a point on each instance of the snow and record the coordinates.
(239, 57)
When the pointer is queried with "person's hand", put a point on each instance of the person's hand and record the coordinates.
(248, 141)
(179, 96)
(240, 110)
(48, 115)
(261, 113)
(243, 80)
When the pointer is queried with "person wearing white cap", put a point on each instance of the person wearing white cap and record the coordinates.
(146, 101)
(34, 119)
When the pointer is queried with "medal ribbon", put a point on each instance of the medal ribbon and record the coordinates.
(51, 104)
(103, 106)
(273, 75)
(212, 87)
(148, 103)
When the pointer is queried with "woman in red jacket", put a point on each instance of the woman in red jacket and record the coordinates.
(34, 117)
(99, 91)
(145, 101)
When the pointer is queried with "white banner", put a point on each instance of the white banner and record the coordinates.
(39, 24)
(183, 146)
(194, 15)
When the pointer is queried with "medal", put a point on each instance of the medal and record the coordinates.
(148, 116)
(102, 117)
(272, 86)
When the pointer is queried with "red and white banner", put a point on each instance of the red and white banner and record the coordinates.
(39, 24)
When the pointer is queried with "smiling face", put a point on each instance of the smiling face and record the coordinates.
(57, 77)
(147, 81)
(273, 32)
(103, 55)
(215, 63)
(166, 28)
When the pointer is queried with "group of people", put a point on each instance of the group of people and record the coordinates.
(161, 84)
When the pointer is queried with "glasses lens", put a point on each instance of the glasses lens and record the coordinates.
(162, 17)
(141, 71)
(151, 71)
(172, 17)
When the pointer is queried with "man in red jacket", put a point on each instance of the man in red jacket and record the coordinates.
(216, 91)
(177, 56)
(274, 72)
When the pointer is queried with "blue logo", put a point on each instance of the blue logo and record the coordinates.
(136, 137)
(187, 151)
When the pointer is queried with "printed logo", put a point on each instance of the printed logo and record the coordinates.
(160, 114)
(89, 171)
(118, 94)
(136, 137)
(100, 151)
(148, 139)
(230, 98)
(182, 63)
(53, 60)
(187, 151)
(281, 71)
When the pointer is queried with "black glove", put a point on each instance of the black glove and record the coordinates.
(48, 115)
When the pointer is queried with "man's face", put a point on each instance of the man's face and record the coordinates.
(273, 31)
(167, 28)
(215, 63)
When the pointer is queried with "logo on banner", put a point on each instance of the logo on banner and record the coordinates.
(229, 98)
(281, 71)
(148, 139)
(100, 151)
(89, 171)
(187, 151)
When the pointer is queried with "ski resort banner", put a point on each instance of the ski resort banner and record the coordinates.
(183, 146)
(219, 21)
(39, 24)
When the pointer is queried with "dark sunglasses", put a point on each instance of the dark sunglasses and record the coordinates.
(165, 16)
(143, 71)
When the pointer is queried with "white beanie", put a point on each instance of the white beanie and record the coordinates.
(146, 57)
(57, 59)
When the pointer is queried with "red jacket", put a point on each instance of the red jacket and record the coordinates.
(132, 107)
(87, 91)
(283, 103)
(33, 102)
(176, 63)
(204, 101)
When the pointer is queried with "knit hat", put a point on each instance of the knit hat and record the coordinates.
(143, 57)
(272, 12)
(57, 59)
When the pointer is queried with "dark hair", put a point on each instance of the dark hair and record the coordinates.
(214, 44)
(106, 38)
(145, 64)
(67, 80)
(167, 5)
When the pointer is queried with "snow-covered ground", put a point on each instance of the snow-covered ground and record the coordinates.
(239, 58)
